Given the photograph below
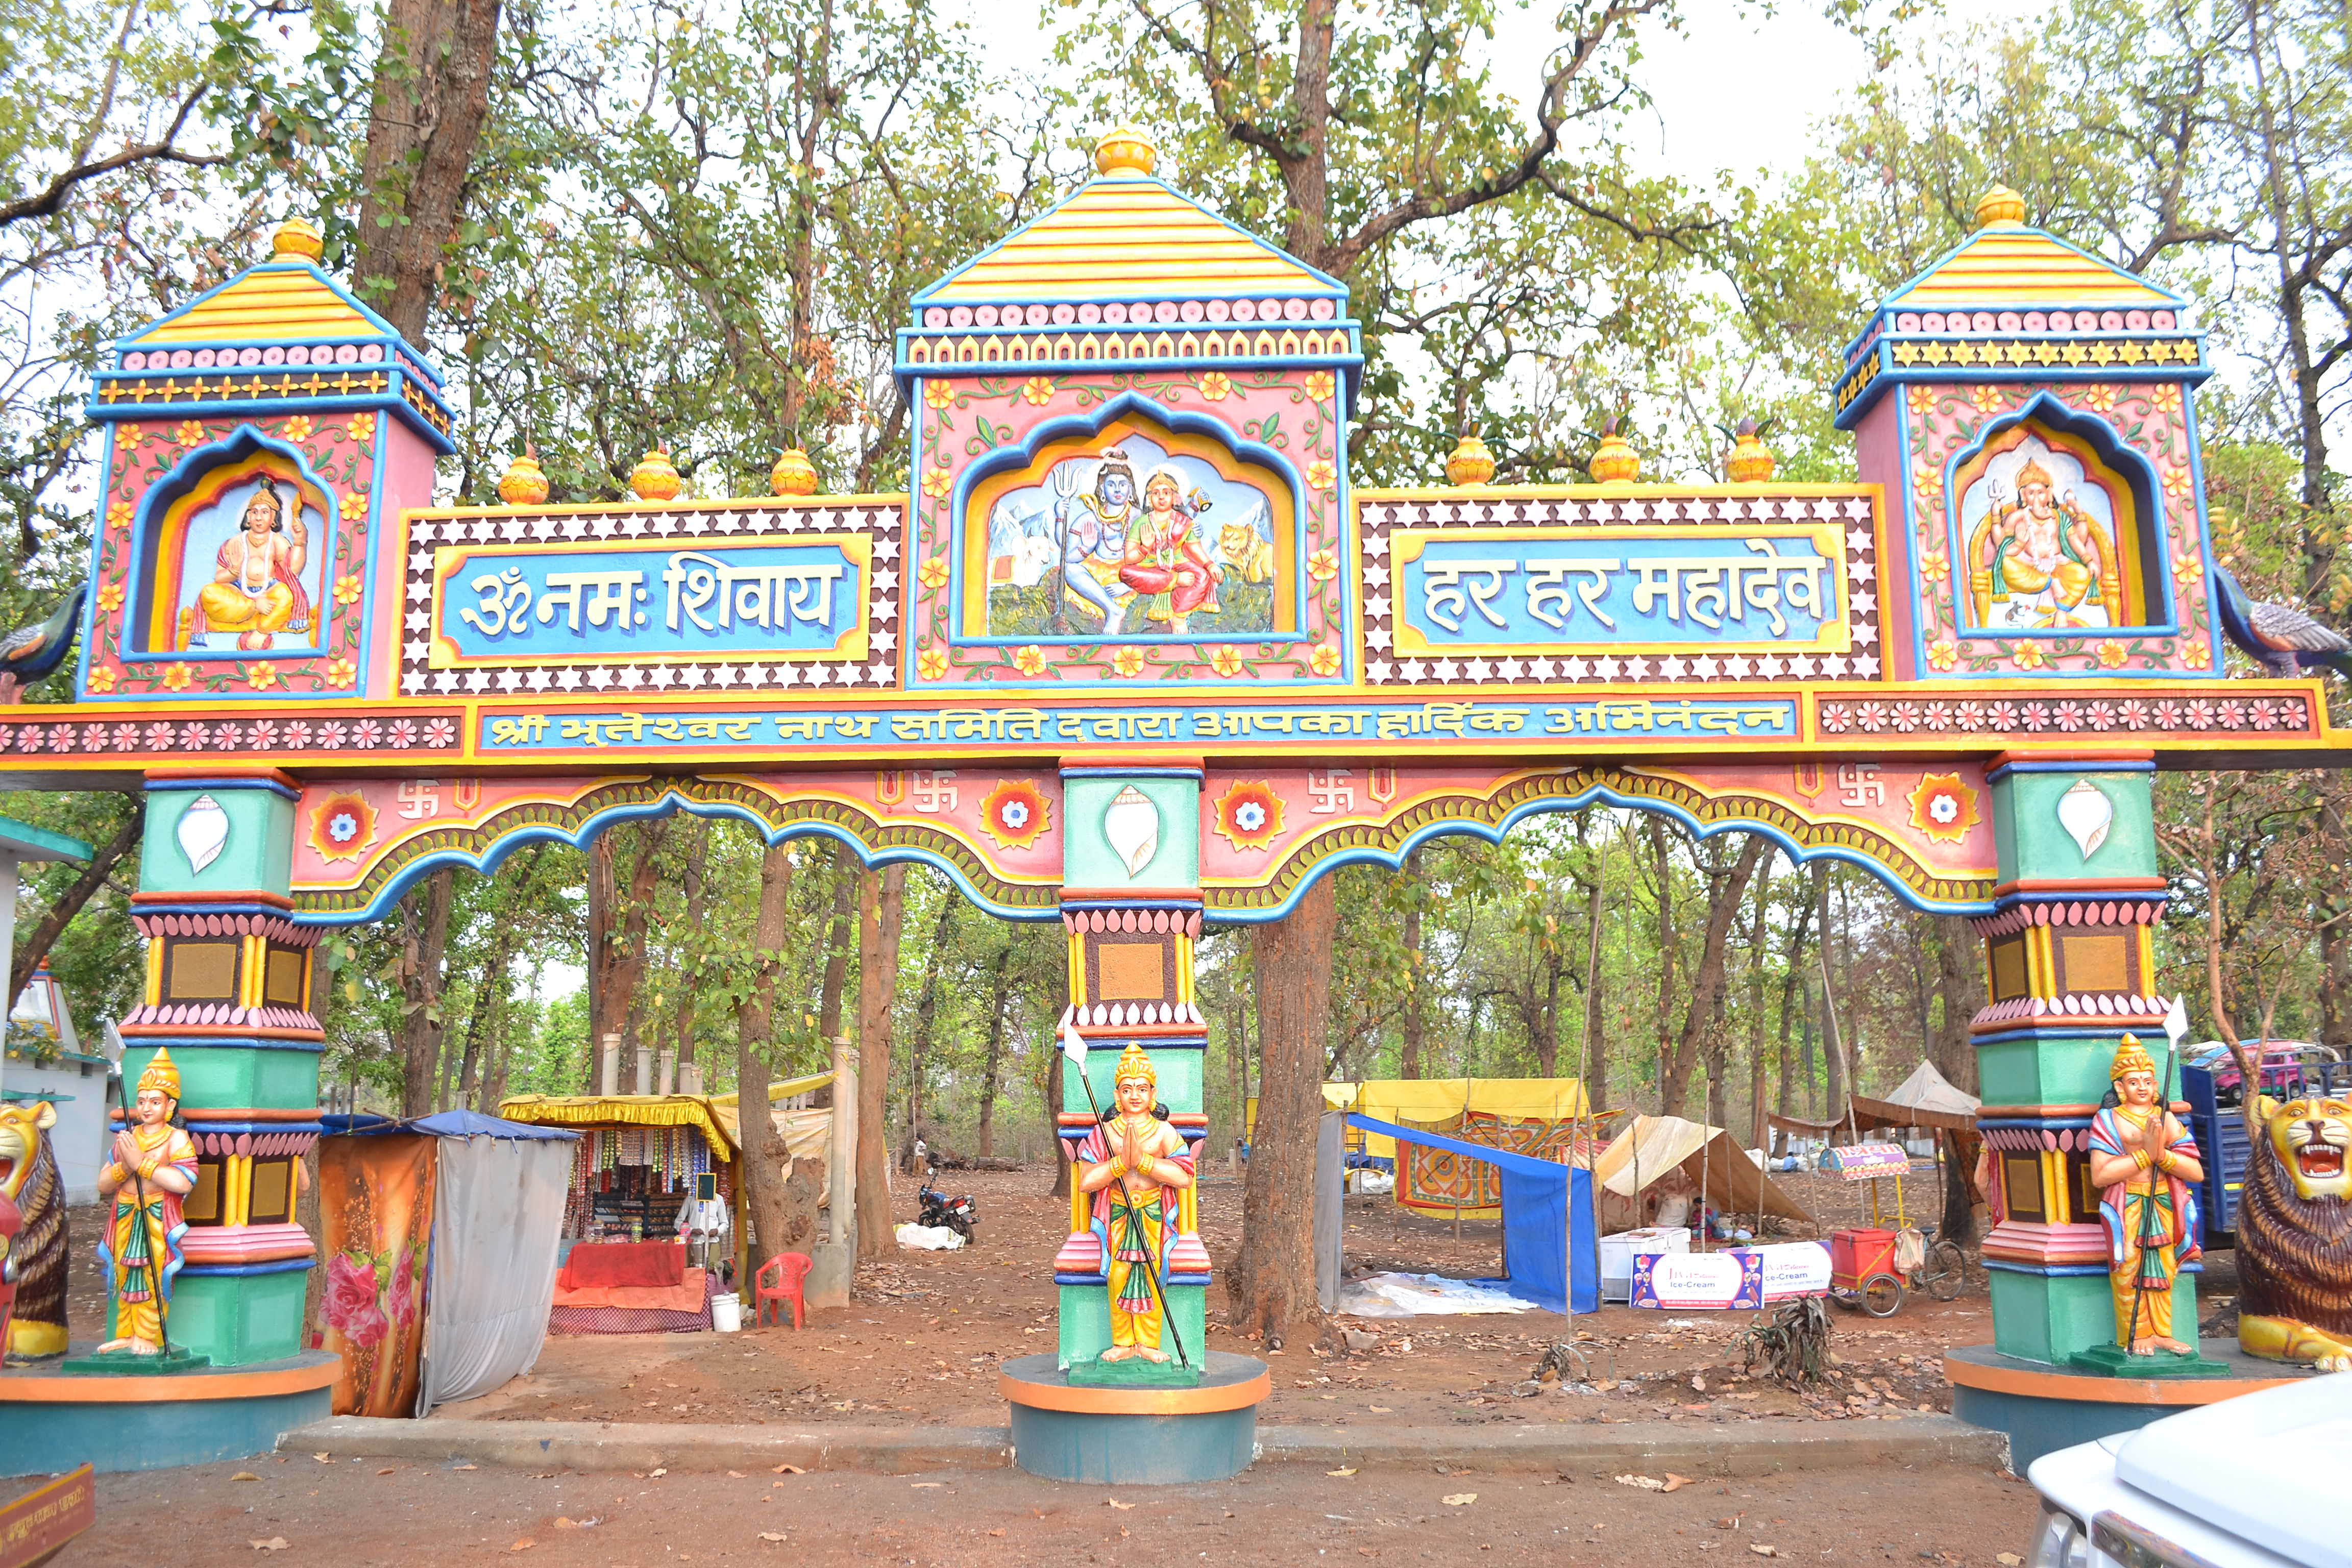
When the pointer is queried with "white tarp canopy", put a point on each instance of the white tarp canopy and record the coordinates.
(1705, 1160)
(1928, 1090)
(498, 1212)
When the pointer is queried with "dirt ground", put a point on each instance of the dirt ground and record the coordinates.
(297, 1510)
(943, 1320)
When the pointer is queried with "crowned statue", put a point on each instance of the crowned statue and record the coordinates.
(2041, 562)
(1094, 524)
(256, 588)
(2146, 1169)
(1164, 565)
(1137, 1166)
(152, 1167)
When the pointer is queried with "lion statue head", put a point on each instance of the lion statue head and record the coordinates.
(2311, 1138)
(21, 1141)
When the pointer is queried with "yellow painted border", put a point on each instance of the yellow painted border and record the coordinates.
(171, 551)
(1202, 1401)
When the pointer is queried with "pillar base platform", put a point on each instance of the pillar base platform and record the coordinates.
(2045, 1408)
(1135, 1436)
(51, 1420)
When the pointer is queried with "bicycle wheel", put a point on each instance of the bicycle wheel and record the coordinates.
(1947, 1270)
(1881, 1295)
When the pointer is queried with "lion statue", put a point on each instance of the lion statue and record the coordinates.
(2295, 1232)
(1246, 552)
(29, 1179)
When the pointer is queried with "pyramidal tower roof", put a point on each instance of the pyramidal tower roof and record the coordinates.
(1127, 234)
(2006, 265)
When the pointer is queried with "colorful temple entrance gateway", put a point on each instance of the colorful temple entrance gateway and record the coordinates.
(1133, 654)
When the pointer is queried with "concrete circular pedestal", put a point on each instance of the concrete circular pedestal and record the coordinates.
(1135, 1436)
(54, 1420)
(2045, 1408)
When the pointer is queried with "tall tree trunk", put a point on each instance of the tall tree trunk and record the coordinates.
(881, 907)
(1832, 1036)
(1960, 981)
(837, 939)
(1792, 992)
(34, 945)
(1703, 1025)
(1596, 1048)
(782, 1210)
(432, 93)
(1271, 1288)
(425, 944)
(997, 987)
(697, 899)
(489, 992)
(927, 1001)
(1414, 1022)
(1756, 1130)
(1667, 951)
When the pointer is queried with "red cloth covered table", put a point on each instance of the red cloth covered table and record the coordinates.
(624, 1264)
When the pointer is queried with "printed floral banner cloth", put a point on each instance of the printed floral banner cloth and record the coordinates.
(375, 1222)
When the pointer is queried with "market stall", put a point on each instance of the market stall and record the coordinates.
(1539, 1117)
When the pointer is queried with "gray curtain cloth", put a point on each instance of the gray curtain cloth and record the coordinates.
(497, 1209)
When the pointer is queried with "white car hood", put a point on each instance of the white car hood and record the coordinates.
(2268, 1468)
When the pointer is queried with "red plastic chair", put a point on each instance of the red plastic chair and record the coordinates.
(788, 1269)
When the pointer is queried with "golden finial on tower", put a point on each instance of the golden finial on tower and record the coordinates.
(655, 478)
(2001, 207)
(1751, 462)
(1471, 463)
(296, 240)
(524, 483)
(1614, 462)
(794, 474)
(1125, 151)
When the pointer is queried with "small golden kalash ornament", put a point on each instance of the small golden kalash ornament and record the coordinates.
(524, 483)
(152, 1166)
(2146, 1169)
(794, 474)
(2001, 207)
(1751, 462)
(296, 240)
(1613, 462)
(1135, 1165)
(655, 478)
(1471, 463)
(1125, 151)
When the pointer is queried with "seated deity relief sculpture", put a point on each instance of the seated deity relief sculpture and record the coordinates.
(256, 589)
(2145, 1166)
(152, 1167)
(2038, 561)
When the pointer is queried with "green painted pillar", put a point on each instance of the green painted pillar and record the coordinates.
(1131, 911)
(2070, 958)
(228, 986)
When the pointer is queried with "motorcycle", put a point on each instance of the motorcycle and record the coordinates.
(957, 1214)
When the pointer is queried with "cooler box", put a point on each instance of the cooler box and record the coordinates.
(1856, 1254)
(1617, 1255)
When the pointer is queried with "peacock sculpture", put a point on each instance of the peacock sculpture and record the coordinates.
(2285, 639)
(32, 653)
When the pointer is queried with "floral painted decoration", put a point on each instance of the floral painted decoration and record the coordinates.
(1015, 813)
(1944, 807)
(343, 826)
(1249, 815)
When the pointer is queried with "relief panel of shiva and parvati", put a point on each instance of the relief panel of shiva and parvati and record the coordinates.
(1144, 532)
(2051, 538)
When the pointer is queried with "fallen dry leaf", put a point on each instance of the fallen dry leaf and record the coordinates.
(737, 1474)
(662, 1471)
(2009, 1560)
(1349, 1471)
(790, 1470)
(1761, 1549)
(525, 1544)
(1115, 1503)
(465, 1467)
(1676, 1483)
(275, 1543)
(771, 1535)
(996, 1532)
(1647, 1483)
(564, 1523)
(244, 1476)
(1382, 1410)
(387, 1469)
(322, 1458)
(1460, 1500)
(921, 1485)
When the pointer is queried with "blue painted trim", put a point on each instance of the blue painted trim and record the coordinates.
(242, 1270)
(1599, 795)
(1891, 375)
(1329, 283)
(97, 555)
(1089, 424)
(548, 832)
(2149, 500)
(1146, 773)
(2029, 766)
(1081, 1278)
(2213, 627)
(165, 786)
(2055, 1272)
(2033, 1123)
(135, 1039)
(388, 401)
(197, 1124)
(201, 907)
(130, 341)
(2012, 1037)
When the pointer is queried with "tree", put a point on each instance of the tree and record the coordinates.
(881, 907)
(783, 1200)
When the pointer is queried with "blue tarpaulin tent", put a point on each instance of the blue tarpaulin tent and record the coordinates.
(1543, 1249)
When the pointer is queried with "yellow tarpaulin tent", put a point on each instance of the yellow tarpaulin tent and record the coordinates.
(625, 1110)
(1437, 1101)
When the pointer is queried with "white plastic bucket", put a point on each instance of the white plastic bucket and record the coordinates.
(727, 1313)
